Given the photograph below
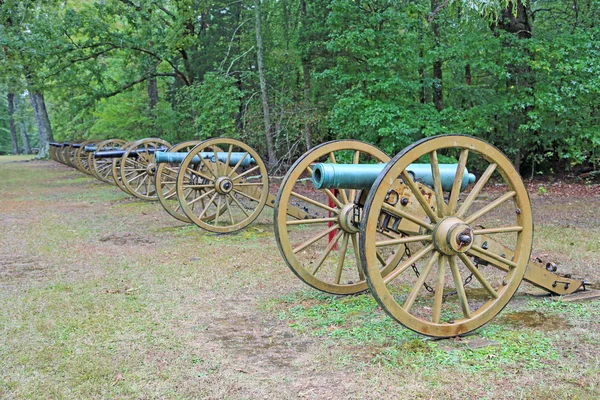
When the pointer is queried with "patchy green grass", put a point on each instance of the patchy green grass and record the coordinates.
(104, 296)
(22, 157)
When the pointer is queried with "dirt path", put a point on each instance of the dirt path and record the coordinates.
(106, 296)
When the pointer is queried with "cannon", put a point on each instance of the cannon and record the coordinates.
(52, 151)
(102, 168)
(442, 257)
(81, 159)
(220, 184)
(166, 180)
(134, 169)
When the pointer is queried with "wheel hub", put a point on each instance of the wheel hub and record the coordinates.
(151, 169)
(452, 236)
(223, 185)
(348, 218)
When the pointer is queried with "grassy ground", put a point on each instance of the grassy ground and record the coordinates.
(105, 296)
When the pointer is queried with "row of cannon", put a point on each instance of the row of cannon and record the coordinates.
(441, 249)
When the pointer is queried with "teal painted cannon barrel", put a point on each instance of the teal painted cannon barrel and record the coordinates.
(362, 176)
(177, 157)
(90, 148)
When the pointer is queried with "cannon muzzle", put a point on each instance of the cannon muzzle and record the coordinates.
(362, 176)
(178, 157)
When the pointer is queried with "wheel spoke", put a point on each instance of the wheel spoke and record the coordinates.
(200, 174)
(503, 229)
(484, 210)
(404, 240)
(197, 186)
(419, 284)
(458, 178)
(238, 164)
(419, 196)
(202, 196)
(460, 289)
(315, 238)
(477, 274)
(341, 259)
(313, 202)
(141, 182)
(218, 214)
(212, 200)
(245, 173)
(228, 205)
(410, 261)
(208, 167)
(239, 204)
(476, 190)
(249, 184)
(361, 275)
(246, 195)
(439, 290)
(397, 212)
(311, 221)
(328, 249)
(437, 184)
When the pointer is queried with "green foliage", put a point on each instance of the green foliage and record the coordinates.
(208, 109)
(343, 69)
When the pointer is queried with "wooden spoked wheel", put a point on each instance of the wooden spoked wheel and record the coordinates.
(52, 152)
(166, 183)
(102, 167)
(137, 167)
(70, 155)
(81, 157)
(116, 170)
(323, 250)
(222, 185)
(459, 275)
(63, 154)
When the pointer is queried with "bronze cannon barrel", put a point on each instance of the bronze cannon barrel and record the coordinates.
(178, 157)
(362, 176)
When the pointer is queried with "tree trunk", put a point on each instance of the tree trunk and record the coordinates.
(43, 122)
(307, 85)
(21, 125)
(468, 80)
(518, 24)
(13, 129)
(421, 78)
(263, 87)
(152, 93)
(438, 94)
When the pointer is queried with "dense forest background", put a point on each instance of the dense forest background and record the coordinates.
(285, 75)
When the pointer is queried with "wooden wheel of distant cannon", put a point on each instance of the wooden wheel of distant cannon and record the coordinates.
(222, 185)
(166, 182)
(454, 237)
(82, 159)
(102, 167)
(323, 250)
(70, 154)
(62, 153)
(137, 168)
(116, 170)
